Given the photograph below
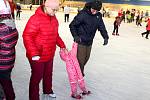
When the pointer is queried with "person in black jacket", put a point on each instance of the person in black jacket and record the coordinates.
(83, 29)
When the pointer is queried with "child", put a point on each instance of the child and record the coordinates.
(147, 28)
(116, 25)
(74, 72)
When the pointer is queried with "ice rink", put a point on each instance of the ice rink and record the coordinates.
(118, 71)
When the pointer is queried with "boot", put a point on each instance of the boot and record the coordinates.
(113, 33)
(142, 34)
(76, 96)
(117, 34)
(86, 92)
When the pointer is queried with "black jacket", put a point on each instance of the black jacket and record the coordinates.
(84, 26)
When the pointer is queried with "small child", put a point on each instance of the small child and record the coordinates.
(116, 25)
(74, 72)
(147, 29)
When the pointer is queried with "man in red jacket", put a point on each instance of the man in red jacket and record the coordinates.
(40, 38)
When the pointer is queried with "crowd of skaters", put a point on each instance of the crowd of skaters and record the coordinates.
(135, 16)
(129, 16)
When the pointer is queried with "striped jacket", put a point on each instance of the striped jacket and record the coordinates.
(8, 40)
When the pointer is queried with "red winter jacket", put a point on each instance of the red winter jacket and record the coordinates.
(41, 36)
(148, 25)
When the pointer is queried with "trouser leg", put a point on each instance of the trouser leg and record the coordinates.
(6, 83)
(47, 78)
(148, 32)
(83, 54)
(37, 70)
(116, 29)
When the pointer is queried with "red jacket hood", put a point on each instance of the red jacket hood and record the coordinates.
(40, 11)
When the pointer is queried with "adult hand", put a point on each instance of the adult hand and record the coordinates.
(35, 57)
(105, 41)
(77, 39)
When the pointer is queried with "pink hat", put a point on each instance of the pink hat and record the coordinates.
(52, 3)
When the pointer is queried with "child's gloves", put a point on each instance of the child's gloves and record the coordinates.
(35, 57)
(105, 41)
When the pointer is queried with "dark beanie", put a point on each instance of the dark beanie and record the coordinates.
(97, 5)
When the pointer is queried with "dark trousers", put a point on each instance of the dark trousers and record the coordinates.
(67, 17)
(18, 14)
(39, 71)
(147, 33)
(115, 29)
(6, 83)
(83, 55)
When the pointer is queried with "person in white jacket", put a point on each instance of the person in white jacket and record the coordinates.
(66, 13)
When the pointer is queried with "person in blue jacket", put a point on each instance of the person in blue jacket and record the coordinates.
(83, 29)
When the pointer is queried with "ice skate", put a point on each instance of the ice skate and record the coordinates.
(76, 96)
(113, 33)
(86, 92)
(117, 34)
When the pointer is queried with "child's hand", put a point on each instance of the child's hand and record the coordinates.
(64, 49)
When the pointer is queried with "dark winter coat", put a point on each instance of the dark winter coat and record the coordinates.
(41, 36)
(84, 26)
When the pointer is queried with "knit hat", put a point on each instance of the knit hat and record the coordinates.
(97, 5)
(54, 4)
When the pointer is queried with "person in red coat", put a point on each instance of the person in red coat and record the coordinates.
(13, 7)
(147, 29)
(40, 38)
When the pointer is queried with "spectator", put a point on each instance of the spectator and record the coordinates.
(13, 7)
(8, 40)
(66, 12)
(18, 9)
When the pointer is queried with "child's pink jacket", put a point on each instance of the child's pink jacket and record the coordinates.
(73, 68)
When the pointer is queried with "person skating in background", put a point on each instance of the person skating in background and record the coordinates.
(18, 10)
(40, 38)
(30, 6)
(66, 13)
(83, 29)
(138, 20)
(8, 41)
(147, 29)
(74, 72)
(117, 23)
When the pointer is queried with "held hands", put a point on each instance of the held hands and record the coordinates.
(64, 49)
(105, 42)
(35, 58)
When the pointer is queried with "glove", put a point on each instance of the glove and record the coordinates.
(105, 41)
(77, 39)
(35, 57)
